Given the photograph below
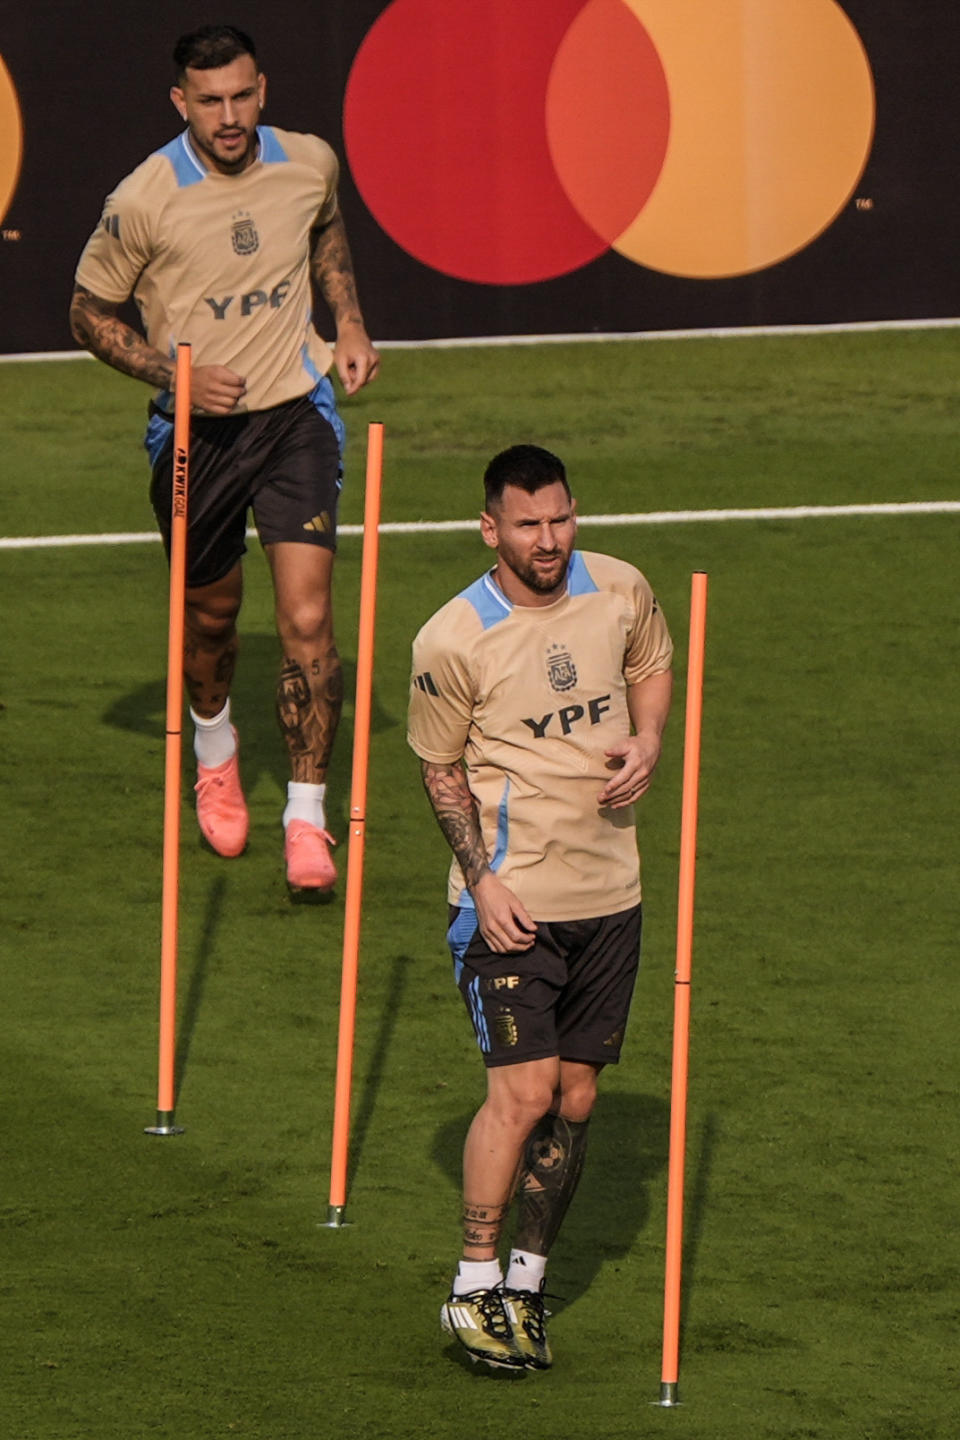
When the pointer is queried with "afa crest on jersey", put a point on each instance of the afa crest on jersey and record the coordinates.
(246, 241)
(561, 671)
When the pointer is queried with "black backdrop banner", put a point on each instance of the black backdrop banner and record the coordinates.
(90, 82)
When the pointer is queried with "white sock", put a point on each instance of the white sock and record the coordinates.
(477, 1275)
(305, 802)
(526, 1271)
(213, 740)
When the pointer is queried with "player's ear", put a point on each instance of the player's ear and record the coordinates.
(179, 104)
(488, 530)
(261, 91)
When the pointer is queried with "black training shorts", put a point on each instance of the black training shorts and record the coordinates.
(569, 995)
(283, 463)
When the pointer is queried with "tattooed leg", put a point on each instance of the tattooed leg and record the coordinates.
(552, 1162)
(517, 1096)
(309, 702)
(481, 1228)
(210, 642)
(310, 691)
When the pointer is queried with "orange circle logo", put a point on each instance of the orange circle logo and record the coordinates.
(11, 139)
(505, 143)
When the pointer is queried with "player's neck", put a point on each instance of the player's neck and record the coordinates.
(522, 595)
(211, 164)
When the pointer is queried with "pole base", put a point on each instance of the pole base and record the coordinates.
(335, 1217)
(164, 1125)
(669, 1398)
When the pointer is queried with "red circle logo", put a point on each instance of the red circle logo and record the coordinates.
(507, 143)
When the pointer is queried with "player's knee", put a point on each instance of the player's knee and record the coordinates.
(579, 1108)
(309, 622)
(577, 1097)
(522, 1108)
(213, 619)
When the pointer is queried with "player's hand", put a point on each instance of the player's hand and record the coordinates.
(356, 359)
(633, 761)
(503, 921)
(216, 389)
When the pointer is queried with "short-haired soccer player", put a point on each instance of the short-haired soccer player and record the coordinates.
(219, 236)
(538, 700)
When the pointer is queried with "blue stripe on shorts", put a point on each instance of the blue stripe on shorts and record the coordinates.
(158, 433)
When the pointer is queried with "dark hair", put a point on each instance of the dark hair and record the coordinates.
(528, 467)
(210, 48)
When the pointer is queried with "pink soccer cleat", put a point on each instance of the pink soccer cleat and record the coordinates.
(221, 809)
(307, 851)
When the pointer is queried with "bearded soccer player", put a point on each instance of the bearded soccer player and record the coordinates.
(220, 236)
(537, 704)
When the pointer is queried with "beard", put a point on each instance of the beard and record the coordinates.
(232, 161)
(543, 578)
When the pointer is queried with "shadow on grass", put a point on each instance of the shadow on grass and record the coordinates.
(198, 979)
(478, 1370)
(700, 1169)
(392, 1007)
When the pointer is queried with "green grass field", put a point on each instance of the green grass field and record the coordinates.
(187, 1288)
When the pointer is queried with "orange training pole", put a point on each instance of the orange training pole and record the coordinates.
(681, 1008)
(358, 811)
(171, 804)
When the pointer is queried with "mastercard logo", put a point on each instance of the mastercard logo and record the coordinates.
(11, 139)
(511, 141)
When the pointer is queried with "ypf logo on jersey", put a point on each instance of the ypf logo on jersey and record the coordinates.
(561, 671)
(246, 241)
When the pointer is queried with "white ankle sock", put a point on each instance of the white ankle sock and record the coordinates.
(213, 740)
(305, 802)
(477, 1275)
(526, 1271)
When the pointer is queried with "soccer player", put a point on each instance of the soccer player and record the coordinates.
(537, 704)
(220, 237)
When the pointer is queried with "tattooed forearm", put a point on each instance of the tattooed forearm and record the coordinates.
(331, 269)
(456, 812)
(94, 323)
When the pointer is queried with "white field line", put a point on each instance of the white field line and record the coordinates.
(426, 527)
(731, 332)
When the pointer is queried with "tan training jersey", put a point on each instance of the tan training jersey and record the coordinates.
(531, 698)
(222, 261)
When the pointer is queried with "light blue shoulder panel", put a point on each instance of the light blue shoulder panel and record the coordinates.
(271, 151)
(487, 600)
(579, 579)
(186, 166)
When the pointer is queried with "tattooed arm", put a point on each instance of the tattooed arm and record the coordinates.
(95, 324)
(503, 921)
(331, 270)
(456, 812)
